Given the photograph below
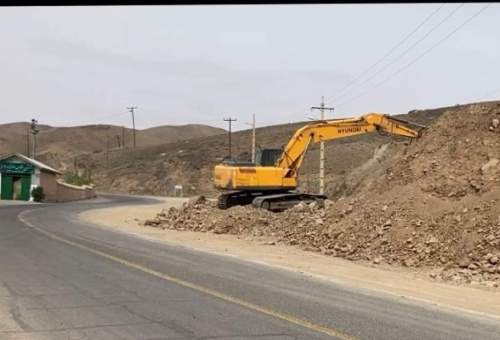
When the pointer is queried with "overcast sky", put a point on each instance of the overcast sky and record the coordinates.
(198, 64)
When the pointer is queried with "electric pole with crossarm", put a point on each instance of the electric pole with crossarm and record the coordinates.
(322, 109)
(229, 120)
(132, 109)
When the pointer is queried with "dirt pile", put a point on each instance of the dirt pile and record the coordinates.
(435, 204)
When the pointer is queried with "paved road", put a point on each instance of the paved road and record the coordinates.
(62, 279)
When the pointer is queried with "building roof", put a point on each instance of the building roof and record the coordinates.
(32, 161)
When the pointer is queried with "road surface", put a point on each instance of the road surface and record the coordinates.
(61, 278)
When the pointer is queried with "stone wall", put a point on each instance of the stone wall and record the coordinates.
(49, 184)
(67, 192)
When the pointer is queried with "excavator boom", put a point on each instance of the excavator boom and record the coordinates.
(296, 148)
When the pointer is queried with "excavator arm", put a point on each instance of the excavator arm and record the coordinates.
(295, 150)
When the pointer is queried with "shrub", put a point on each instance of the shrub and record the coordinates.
(73, 177)
(38, 194)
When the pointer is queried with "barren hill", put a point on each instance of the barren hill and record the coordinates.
(59, 145)
(156, 169)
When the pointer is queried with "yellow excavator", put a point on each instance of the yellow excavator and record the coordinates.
(271, 181)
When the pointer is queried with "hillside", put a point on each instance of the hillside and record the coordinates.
(432, 204)
(155, 170)
(59, 145)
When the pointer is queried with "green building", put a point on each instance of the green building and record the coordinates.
(20, 174)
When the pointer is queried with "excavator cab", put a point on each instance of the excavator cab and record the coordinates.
(267, 157)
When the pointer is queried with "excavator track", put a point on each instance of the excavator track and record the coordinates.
(272, 201)
(283, 201)
(233, 198)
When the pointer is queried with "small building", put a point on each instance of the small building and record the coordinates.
(20, 174)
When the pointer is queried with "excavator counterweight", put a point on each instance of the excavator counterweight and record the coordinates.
(271, 181)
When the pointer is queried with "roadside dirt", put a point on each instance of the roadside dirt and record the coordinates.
(410, 284)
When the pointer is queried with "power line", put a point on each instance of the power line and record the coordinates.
(491, 93)
(405, 52)
(401, 42)
(414, 60)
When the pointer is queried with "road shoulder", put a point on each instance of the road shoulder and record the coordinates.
(398, 282)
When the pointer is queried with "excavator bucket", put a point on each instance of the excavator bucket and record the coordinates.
(410, 123)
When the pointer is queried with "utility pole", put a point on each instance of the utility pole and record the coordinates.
(322, 109)
(107, 150)
(132, 109)
(229, 120)
(123, 138)
(253, 139)
(34, 131)
(28, 142)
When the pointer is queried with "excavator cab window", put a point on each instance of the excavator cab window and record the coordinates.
(267, 157)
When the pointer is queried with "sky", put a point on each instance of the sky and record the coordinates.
(69, 66)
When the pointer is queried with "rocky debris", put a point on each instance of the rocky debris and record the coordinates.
(489, 166)
(435, 205)
(494, 123)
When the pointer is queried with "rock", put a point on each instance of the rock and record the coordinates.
(299, 207)
(328, 204)
(327, 251)
(490, 284)
(151, 222)
(222, 229)
(313, 205)
(495, 122)
(197, 200)
(489, 166)
(408, 262)
(377, 260)
(432, 240)
(472, 266)
(493, 260)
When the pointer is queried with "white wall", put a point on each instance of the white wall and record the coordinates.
(35, 181)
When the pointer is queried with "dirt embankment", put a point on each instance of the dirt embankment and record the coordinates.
(432, 204)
